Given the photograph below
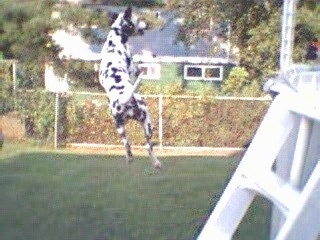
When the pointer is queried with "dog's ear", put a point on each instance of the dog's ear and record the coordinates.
(128, 13)
(112, 17)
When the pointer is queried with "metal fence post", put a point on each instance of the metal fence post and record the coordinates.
(160, 121)
(56, 116)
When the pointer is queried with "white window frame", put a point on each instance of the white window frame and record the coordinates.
(203, 71)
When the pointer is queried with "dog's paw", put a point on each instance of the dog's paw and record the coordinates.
(129, 159)
(157, 165)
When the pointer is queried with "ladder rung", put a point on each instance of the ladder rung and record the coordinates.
(272, 187)
(311, 110)
(307, 113)
(302, 221)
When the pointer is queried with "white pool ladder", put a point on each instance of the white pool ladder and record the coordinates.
(290, 119)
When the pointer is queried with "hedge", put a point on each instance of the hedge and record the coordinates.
(186, 122)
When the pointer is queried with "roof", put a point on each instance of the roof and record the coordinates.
(160, 43)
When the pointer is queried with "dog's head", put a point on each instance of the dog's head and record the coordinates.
(125, 24)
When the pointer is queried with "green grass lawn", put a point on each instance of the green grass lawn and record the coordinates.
(46, 194)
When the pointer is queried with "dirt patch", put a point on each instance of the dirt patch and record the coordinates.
(160, 151)
(12, 127)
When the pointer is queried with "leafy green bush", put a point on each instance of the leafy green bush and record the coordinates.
(91, 122)
(198, 121)
(6, 92)
(236, 81)
(37, 109)
(204, 122)
(186, 122)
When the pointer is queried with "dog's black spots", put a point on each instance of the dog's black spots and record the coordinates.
(117, 78)
(143, 116)
(119, 119)
(127, 13)
(141, 102)
(128, 107)
(112, 17)
(114, 103)
(114, 70)
(124, 39)
(136, 114)
(128, 60)
(116, 87)
(117, 31)
(150, 128)
(121, 22)
(111, 44)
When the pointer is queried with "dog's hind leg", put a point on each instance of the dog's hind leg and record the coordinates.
(148, 134)
(122, 132)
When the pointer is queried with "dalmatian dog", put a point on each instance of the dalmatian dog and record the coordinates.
(115, 75)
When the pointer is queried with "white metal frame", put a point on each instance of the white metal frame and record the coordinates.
(287, 34)
(287, 123)
(289, 137)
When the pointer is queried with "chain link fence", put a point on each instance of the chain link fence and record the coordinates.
(179, 121)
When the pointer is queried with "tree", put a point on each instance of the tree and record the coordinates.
(236, 81)
(260, 55)
(25, 36)
(199, 17)
(256, 28)
(25, 33)
(307, 27)
(261, 52)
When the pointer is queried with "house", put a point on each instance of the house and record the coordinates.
(155, 44)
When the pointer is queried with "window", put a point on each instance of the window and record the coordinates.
(150, 71)
(203, 72)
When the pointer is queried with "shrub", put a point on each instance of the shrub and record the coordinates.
(37, 110)
(186, 122)
(206, 122)
(236, 81)
(6, 92)
(91, 122)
